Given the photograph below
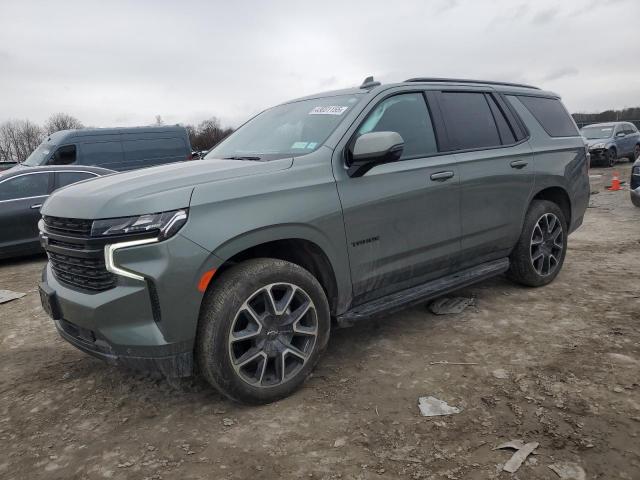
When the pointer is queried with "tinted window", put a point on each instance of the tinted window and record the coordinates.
(101, 153)
(160, 148)
(469, 120)
(65, 155)
(407, 115)
(67, 178)
(506, 133)
(24, 186)
(552, 115)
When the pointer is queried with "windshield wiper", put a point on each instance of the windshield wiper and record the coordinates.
(242, 158)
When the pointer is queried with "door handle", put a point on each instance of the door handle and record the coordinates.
(37, 205)
(519, 164)
(441, 176)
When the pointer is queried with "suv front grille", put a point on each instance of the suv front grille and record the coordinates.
(76, 259)
(68, 226)
(85, 273)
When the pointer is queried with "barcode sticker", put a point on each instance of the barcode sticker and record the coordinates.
(329, 110)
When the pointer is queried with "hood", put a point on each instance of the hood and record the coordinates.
(593, 142)
(149, 190)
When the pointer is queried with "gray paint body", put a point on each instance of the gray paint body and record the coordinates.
(389, 230)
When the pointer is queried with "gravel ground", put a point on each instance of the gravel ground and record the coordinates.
(557, 365)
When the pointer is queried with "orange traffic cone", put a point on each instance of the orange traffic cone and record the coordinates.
(615, 183)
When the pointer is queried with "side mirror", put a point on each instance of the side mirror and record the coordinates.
(374, 148)
(621, 134)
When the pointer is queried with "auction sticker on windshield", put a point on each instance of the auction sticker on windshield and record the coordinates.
(328, 110)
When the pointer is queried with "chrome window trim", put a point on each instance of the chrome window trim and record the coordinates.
(40, 172)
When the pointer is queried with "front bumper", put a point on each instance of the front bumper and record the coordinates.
(598, 155)
(148, 324)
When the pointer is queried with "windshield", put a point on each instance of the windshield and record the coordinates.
(292, 129)
(39, 155)
(594, 133)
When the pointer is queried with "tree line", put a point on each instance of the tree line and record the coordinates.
(624, 115)
(18, 138)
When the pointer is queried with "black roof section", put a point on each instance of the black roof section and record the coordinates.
(463, 80)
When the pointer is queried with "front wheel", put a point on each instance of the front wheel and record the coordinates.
(611, 157)
(261, 330)
(539, 254)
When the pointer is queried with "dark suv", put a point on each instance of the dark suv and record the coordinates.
(326, 210)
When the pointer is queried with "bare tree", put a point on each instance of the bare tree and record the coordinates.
(159, 120)
(61, 121)
(18, 138)
(207, 134)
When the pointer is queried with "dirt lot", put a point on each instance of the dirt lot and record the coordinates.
(557, 365)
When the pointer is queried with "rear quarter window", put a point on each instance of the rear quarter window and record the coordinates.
(551, 115)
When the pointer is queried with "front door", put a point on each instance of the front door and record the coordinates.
(402, 219)
(20, 200)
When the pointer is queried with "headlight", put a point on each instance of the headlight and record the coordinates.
(165, 224)
(597, 146)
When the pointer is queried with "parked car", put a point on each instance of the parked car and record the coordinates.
(22, 192)
(634, 183)
(610, 141)
(334, 208)
(113, 148)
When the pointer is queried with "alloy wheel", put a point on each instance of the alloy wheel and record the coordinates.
(273, 335)
(547, 243)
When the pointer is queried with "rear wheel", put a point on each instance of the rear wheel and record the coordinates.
(262, 329)
(539, 254)
(611, 157)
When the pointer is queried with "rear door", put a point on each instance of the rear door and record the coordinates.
(402, 219)
(495, 169)
(21, 197)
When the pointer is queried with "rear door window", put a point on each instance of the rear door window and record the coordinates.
(101, 153)
(69, 178)
(469, 120)
(406, 114)
(25, 186)
(504, 129)
(551, 114)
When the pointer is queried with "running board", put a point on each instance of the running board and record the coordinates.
(422, 293)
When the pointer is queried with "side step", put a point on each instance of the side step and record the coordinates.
(422, 293)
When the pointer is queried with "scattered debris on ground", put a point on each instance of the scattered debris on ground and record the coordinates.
(450, 305)
(433, 407)
(8, 295)
(523, 450)
(569, 471)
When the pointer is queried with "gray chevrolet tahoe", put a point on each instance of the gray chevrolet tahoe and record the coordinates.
(320, 212)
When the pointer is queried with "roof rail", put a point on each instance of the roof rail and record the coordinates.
(462, 80)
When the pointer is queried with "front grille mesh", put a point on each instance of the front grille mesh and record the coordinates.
(68, 226)
(85, 273)
(75, 258)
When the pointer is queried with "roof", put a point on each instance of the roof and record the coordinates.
(116, 130)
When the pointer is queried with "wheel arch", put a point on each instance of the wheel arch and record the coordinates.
(559, 196)
(311, 254)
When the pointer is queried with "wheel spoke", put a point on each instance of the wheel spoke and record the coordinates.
(249, 356)
(537, 237)
(280, 306)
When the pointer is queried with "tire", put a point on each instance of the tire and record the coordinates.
(247, 317)
(611, 157)
(636, 154)
(526, 267)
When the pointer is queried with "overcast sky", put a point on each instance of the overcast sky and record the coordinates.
(122, 63)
